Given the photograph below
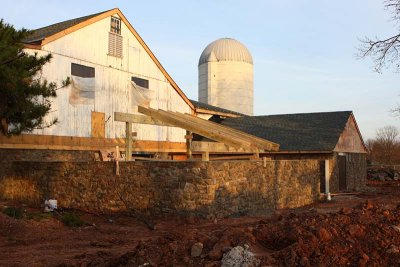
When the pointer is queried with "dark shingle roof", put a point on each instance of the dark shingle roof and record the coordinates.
(295, 132)
(201, 105)
(41, 33)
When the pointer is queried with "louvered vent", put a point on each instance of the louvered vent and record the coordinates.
(114, 45)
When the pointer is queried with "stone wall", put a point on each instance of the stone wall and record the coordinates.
(356, 169)
(9, 155)
(156, 188)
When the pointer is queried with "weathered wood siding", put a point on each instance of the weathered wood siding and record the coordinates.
(89, 46)
(350, 140)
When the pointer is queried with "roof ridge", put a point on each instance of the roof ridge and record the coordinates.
(40, 33)
(305, 113)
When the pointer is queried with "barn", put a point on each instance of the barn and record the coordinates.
(121, 99)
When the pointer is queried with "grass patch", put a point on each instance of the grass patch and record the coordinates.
(71, 219)
(16, 213)
(39, 216)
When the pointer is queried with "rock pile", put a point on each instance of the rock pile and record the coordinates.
(383, 174)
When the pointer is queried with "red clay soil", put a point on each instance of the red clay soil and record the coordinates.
(361, 230)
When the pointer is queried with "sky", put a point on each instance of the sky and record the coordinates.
(304, 51)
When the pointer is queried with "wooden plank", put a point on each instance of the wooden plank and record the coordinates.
(98, 124)
(214, 128)
(216, 147)
(244, 157)
(165, 117)
(128, 141)
(205, 156)
(206, 127)
(141, 119)
(32, 141)
(260, 142)
(189, 144)
(213, 112)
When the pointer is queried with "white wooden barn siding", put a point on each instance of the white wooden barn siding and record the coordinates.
(89, 46)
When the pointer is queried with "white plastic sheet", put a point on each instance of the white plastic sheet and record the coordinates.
(141, 96)
(82, 91)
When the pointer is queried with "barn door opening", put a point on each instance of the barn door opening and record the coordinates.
(342, 173)
(322, 176)
(98, 124)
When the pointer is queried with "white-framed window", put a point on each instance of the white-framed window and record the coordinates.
(115, 25)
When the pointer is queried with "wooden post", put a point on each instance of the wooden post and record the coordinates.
(327, 180)
(205, 156)
(128, 141)
(117, 160)
(189, 138)
(265, 162)
(257, 154)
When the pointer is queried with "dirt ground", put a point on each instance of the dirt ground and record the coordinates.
(351, 230)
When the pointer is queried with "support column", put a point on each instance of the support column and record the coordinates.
(128, 141)
(205, 156)
(189, 137)
(327, 180)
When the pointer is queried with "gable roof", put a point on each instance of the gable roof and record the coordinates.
(295, 132)
(53, 32)
(44, 32)
(201, 107)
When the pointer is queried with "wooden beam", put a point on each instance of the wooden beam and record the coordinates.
(249, 157)
(166, 117)
(141, 119)
(189, 137)
(212, 112)
(209, 129)
(260, 142)
(216, 147)
(205, 156)
(213, 127)
(52, 142)
(128, 141)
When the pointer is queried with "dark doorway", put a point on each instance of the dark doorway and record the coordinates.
(322, 176)
(342, 173)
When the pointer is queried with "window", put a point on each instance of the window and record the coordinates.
(115, 38)
(140, 82)
(115, 25)
(82, 71)
(83, 85)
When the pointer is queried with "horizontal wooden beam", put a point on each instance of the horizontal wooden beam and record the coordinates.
(212, 112)
(141, 119)
(217, 147)
(248, 157)
(52, 142)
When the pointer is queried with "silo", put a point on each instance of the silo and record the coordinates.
(226, 76)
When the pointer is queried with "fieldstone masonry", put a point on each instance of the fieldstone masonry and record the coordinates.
(157, 188)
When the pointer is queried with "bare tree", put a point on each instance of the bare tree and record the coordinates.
(387, 142)
(385, 52)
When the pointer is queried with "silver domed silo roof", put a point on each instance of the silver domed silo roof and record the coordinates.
(225, 49)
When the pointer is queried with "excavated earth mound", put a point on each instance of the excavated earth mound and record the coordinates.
(367, 235)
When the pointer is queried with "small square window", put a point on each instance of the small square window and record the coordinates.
(82, 71)
(115, 25)
(140, 82)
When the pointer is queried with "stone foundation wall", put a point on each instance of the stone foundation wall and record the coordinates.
(181, 188)
(356, 170)
(10, 155)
